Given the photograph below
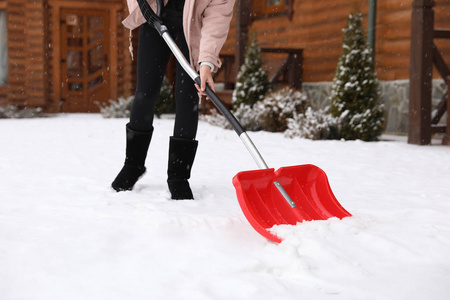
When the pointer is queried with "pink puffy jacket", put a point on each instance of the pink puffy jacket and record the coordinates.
(205, 22)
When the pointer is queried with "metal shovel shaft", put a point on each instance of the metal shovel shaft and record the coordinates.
(217, 102)
(164, 32)
(225, 112)
(155, 20)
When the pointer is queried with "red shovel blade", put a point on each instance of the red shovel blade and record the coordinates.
(264, 206)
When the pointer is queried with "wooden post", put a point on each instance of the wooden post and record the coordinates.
(446, 139)
(243, 21)
(295, 72)
(422, 23)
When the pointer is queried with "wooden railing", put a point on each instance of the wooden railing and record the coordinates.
(424, 54)
(287, 71)
(443, 106)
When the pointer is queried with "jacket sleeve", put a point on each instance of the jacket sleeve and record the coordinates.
(135, 17)
(216, 23)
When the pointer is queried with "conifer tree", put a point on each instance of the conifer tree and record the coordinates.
(355, 98)
(252, 82)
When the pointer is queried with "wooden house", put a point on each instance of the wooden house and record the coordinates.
(316, 27)
(65, 55)
(410, 38)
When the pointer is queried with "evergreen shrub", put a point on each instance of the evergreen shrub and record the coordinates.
(355, 96)
(252, 83)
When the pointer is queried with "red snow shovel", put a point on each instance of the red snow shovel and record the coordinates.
(267, 197)
(308, 197)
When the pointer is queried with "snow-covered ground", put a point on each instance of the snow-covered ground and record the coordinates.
(64, 234)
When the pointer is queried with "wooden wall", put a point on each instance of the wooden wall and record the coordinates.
(33, 46)
(316, 26)
(394, 34)
(26, 55)
(442, 20)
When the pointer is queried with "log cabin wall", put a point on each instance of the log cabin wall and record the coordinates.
(316, 26)
(35, 56)
(26, 62)
(442, 20)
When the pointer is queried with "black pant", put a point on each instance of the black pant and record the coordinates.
(152, 60)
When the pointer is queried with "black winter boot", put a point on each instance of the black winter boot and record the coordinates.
(181, 157)
(136, 152)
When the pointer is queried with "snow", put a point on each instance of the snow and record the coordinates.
(65, 234)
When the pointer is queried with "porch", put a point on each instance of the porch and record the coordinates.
(284, 67)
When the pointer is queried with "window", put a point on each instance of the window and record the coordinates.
(265, 8)
(3, 49)
(272, 3)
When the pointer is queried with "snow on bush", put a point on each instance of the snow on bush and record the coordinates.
(216, 119)
(279, 106)
(270, 114)
(245, 114)
(14, 112)
(314, 125)
(117, 109)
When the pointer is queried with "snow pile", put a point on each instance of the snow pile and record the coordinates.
(64, 234)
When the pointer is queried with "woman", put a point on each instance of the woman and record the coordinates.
(200, 28)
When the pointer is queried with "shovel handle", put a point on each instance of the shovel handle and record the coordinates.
(154, 19)
(236, 125)
(214, 99)
(225, 112)
(222, 108)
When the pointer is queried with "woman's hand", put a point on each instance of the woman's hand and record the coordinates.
(206, 78)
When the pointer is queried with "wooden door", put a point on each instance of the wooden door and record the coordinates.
(84, 61)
